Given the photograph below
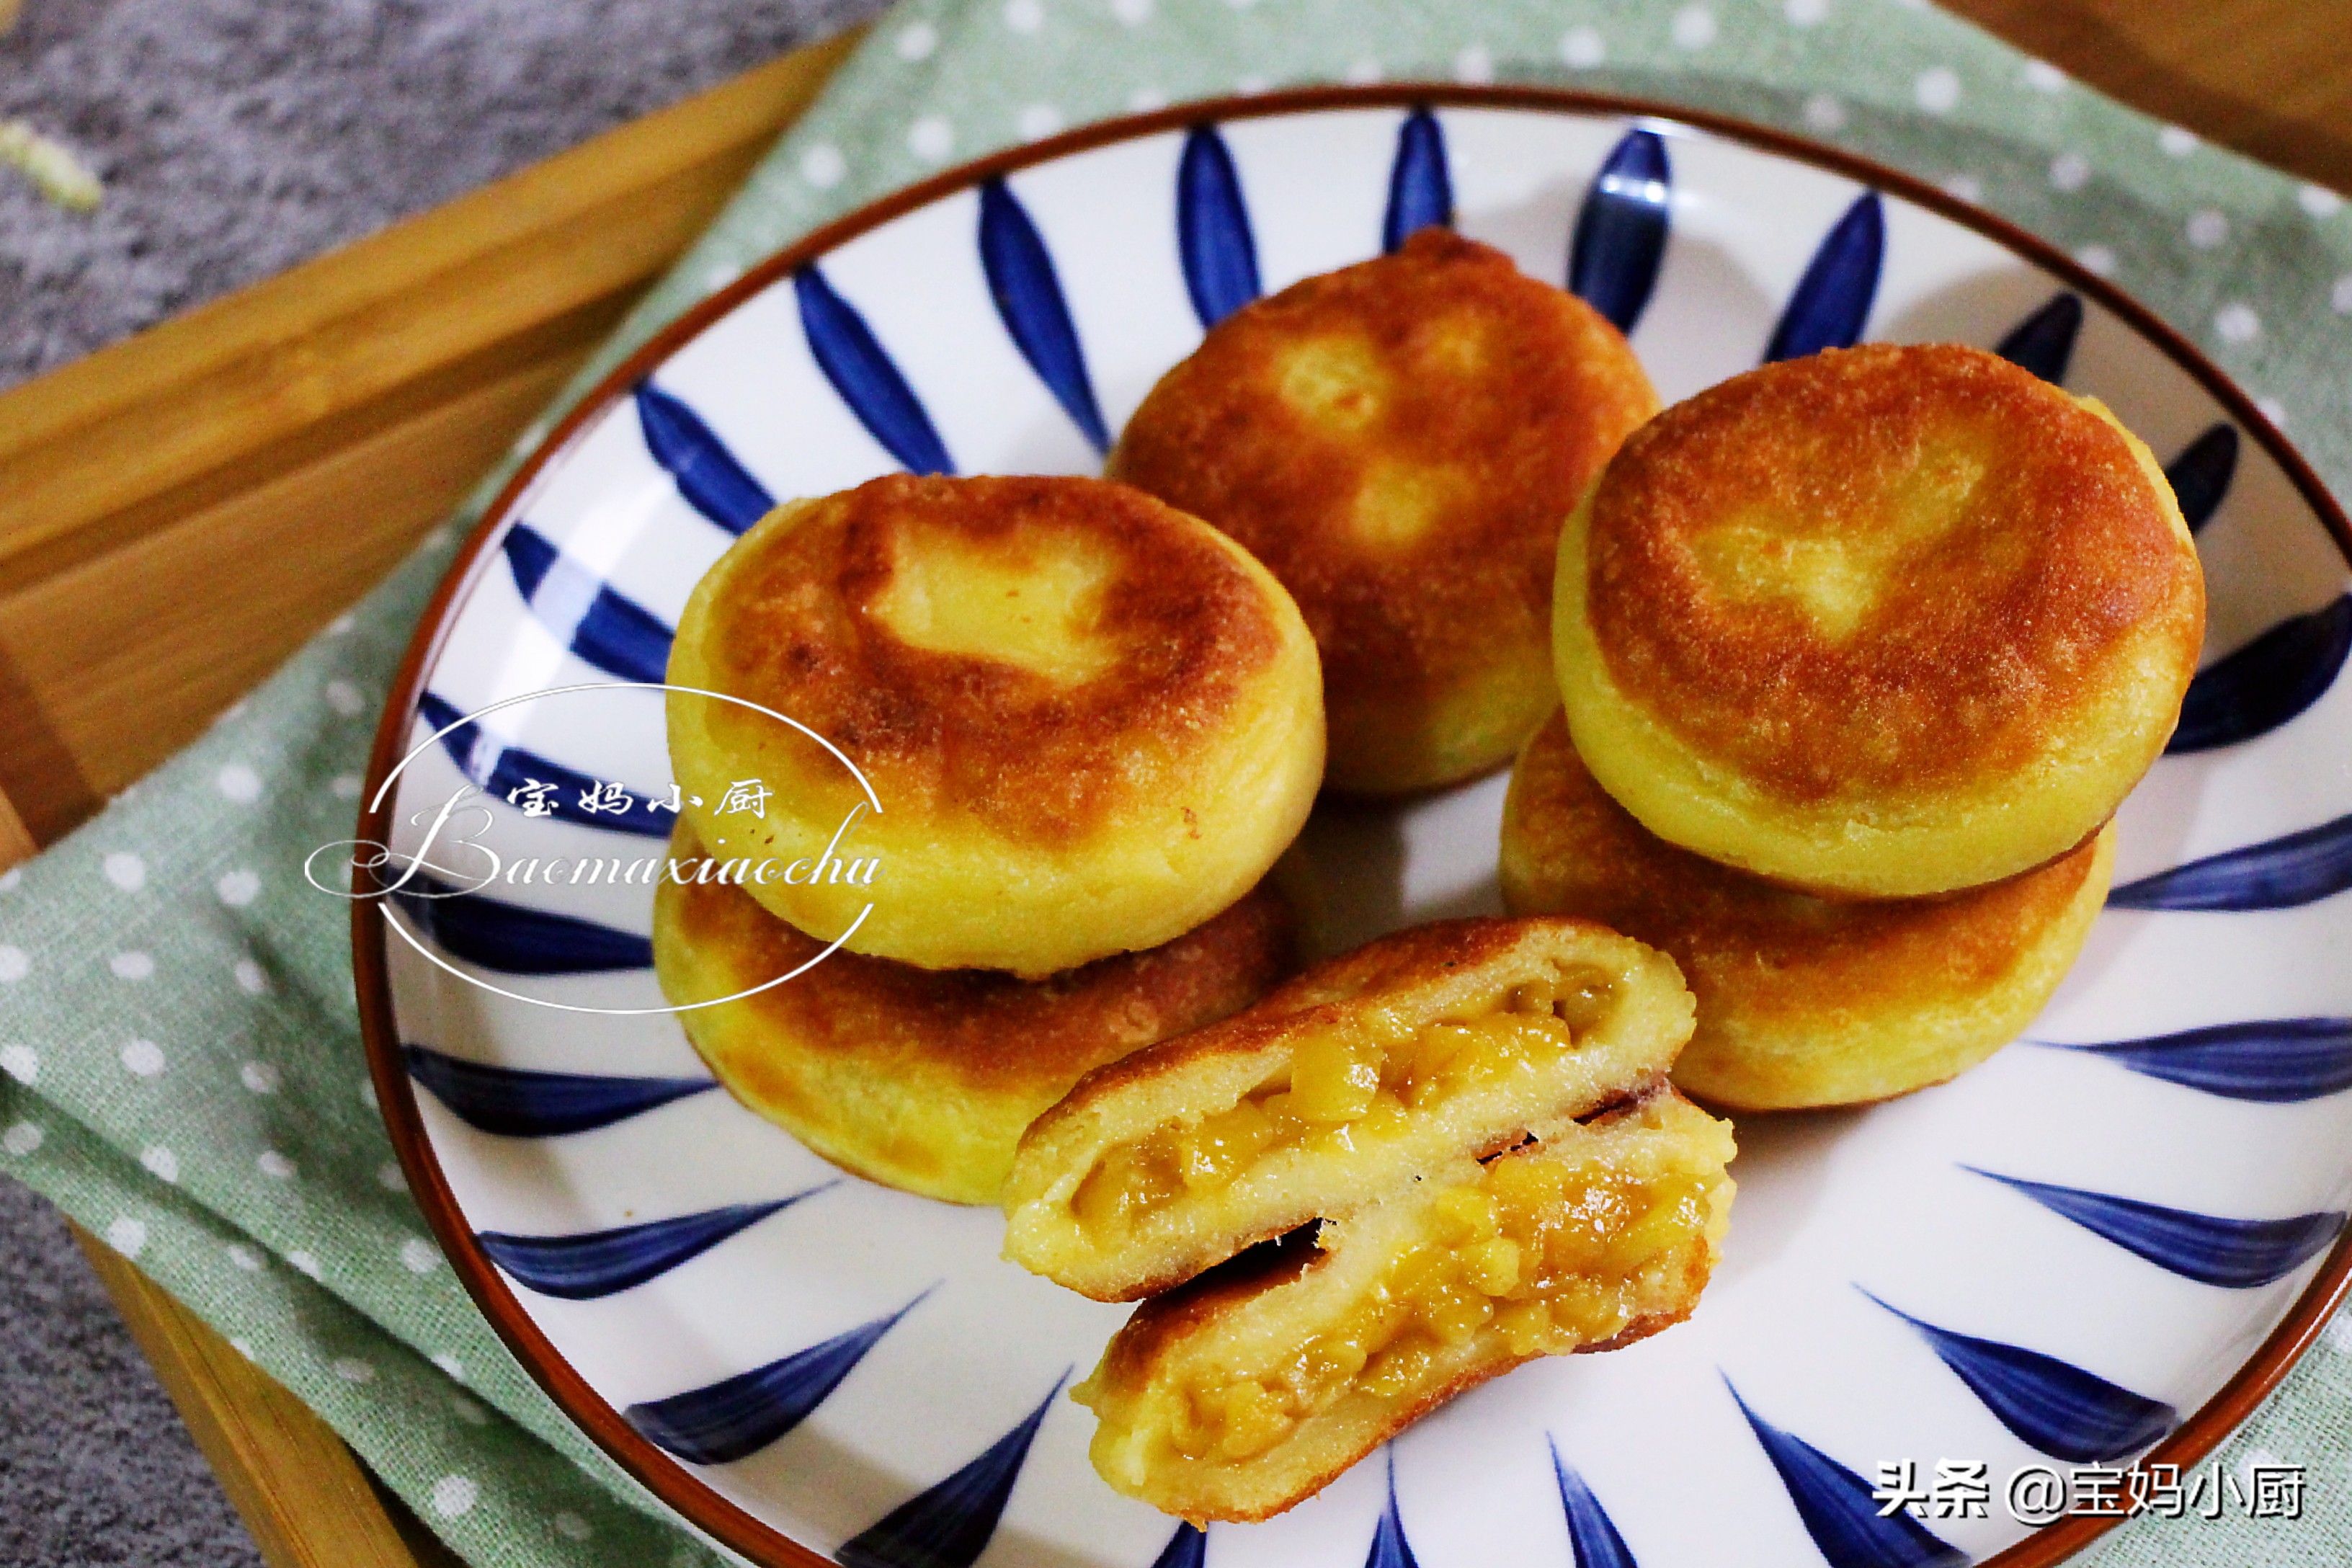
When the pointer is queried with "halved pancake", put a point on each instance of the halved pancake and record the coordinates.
(1251, 1388)
(1447, 1042)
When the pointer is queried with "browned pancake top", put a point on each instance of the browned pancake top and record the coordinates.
(1879, 569)
(1400, 442)
(1116, 635)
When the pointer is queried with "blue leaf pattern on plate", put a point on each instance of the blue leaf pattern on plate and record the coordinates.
(1593, 1538)
(2267, 682)
(2278, 1060)
(1029, 300)
(1838, 1510)
(2283, 874)
(2236, 1254)
(590, 1264)
(513, 940)
(2044, 341)
(699, 462)
(2201, 476)
(1213, 228)
(1188, 1547)
(1421, 189)
(614, 633)
(2052, 1404)
(950, 1525)
(1621, 230)
(1390, 1548)
(1831, 304)
(500, 771)
(738, 1416)
(514, 1103)
(866, 377)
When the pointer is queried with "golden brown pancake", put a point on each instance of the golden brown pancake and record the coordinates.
(1443, 1043)
(1090, 721)
(1252, 1388)
(1400, 441)
(1884, 622)
(1801, 1002)
(924, 1078)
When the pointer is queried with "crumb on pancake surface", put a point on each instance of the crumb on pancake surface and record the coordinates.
(925, 1079)
(1248, 1390)
(1801, 1002)
(1090, 721)
(1882, 622)
(1400, 442)
(1446, 1041)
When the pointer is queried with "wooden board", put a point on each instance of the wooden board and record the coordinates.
(178, 513)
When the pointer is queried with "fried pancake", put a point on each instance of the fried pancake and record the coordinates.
(923, 1079)
(1400, 442)
(1091, 721)
(1252, 1387)
(1884, 622)
(1439, 1043)
(1802, 1001)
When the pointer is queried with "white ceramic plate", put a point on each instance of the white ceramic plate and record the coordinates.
(2061, 1257)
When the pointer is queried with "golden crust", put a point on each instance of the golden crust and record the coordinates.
(1090, 721)
(1801, 1002)
(1442, 972)
(1399, 442)
(1881, 622)
(924, 1080)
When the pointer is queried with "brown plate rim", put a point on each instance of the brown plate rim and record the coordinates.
(670, 1478)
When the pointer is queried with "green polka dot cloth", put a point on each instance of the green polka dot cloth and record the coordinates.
(180, 1067)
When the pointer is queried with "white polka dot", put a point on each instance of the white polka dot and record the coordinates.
(1362, 73)
(22, 1063)
(15, 965)
(125, 870)
(1038, 121)
(721, 274)
(1582, 48)
(822, 165)
(344, 698)
(340, 627)
(572, 1527)
(344, 786)
(237, 889)
(917, 41)
(1134, 13)
(1937, 89)
(2339, 299)
(367, 1095)
(2273, 410)
(2319, 201)
(249, 977)
(471, 1413)
(1824, 113)
(440, 538)
(244, 1257)
(389, 1177)
(261, 1078)
(273, 1164)
(2177, 142)
(1694, 27)
(1146, 100)
(2096, 258)
(418, 1255)
(160, 1163)
(21, 1140)
(352, 1370)
(9, 879)
(931, 139)
(239, 783)
(2207, 228)
(242, 1346)
(1474, 64)
(132, 965)
(453, 1495)
(1964, 187)
(2070, 171)
(142, 1058)
(2237, 323)
(127, 1236)
(2043, 77)
(450, 1364)
(1807, 13)
(1251, 85)
(304, 1262)
(1024, 15)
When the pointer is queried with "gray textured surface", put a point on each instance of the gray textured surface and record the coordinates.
(236, 138)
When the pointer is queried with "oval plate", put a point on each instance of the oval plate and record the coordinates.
(2117, 1236)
